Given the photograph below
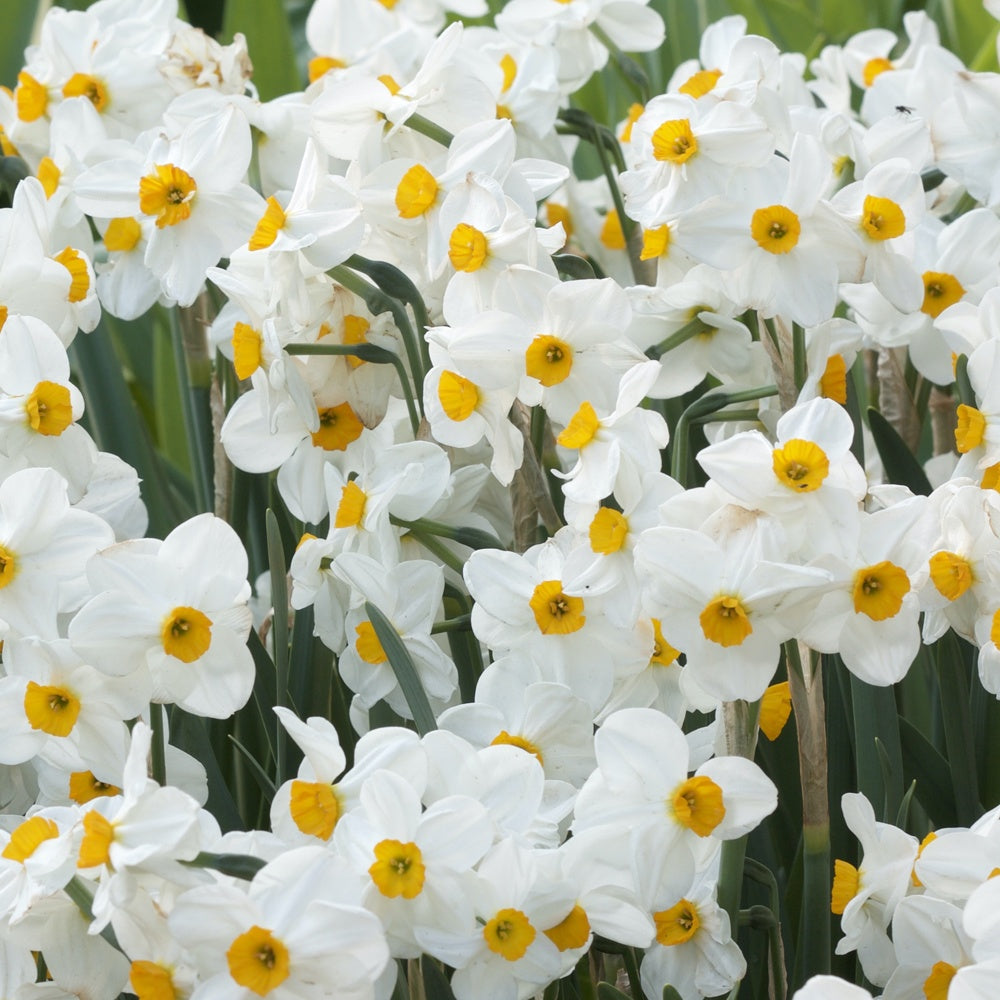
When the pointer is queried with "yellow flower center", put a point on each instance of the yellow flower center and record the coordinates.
(151, 981)
(991, 478)
(51, 708)
(555, 612)
(367, 644)
(467, 248)
(49, 175)
(608, 531)
(775, 229)
(258, 960)
(995, 628)
(509, 69)
(186, 633)
(937, 983)
(697, 804)
(951, 574)
(833, 381)
(580, 431)
(416, 193)
(940, 291)
(122, 234)
(83, 787)
(458, 396)
(932, 836)
(879, 590)
(509, 934)
(321, 65)
(8, 566)
(30, 97)
(554, 213)
(634, 113)
(612, 235)
(398, 869)
(775, 709)
(351, 509)
(846, 882)
(655, 242)
(549, 360)
(701, 83)
(663, 653)
(85, 85)
(98, 835)
(355, 332)
(800, 465)
(27, 836)
(970, 429)
(314, 808)
(389, 83)
(338, 427)
(674, 142)
(76, 264)
(882, 218)
(247, 349)
(573, 931)
(678, 924)
(48, 409)
(268, 225)
(725, 621)
(167, 194)
(873, 68)
(503, 738)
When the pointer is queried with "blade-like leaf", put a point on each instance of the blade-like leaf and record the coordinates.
(900, 464)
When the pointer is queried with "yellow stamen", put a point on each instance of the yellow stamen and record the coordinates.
(970, 429)
(873, 68)
(725, 621)
(30, 97)
(247, 349)
(76, 264)
(258, 960)
(458, 396)
(49, 409)
(84, 787)
(580, 431)
(49, 175)
(186, 633)
(775, 229)
(8, 566)
(314, 808)
(338, 427)
(701, 83)
(51, 708)
(509, 69)
(555, 213)
(674, 142)
(268, 226)
(151, 981)
(556, 613)
(351, 509)
(697, 804)
(398, 869)
(655, 242)
(85, 85)
(416, 193)
(549, 360)
(846, 882)
(775, 710)
(612, 235)
(467, 248)
(800, 465)
(879, 590)
(951, 574)
(509, 934)
(833, 381)
(936, 985)
(572, 932)
(503, 738)
(608, 531)
(663, 653)
(940, 291)
(678, 924)
(167, 194)
(368, 646)
(98, 835)
(321, 65)
(26, 837)
(882, 218)
(122, 234)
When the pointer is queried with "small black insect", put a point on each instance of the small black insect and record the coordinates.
(904, 110)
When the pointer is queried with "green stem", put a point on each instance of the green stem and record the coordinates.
(630, 70)
(632, 969)
(690, 330)
(715, 418)
(433, 545)
(79, 893)
(799, 365)
(428, 128)
(158, 749)
(461, 623)
(279, 630)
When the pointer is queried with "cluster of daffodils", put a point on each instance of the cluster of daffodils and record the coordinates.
(922, 916)
(455, 424)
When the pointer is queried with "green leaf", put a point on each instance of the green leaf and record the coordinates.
(900, 464)
(279, 601)
(669, 993)
(436, 985)
(243, 866)
(269, 39)
(572, 266)
(261, 776)
(875, 725)
(605, 991)
(403, 667)
(925, 766)
(18, 20)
